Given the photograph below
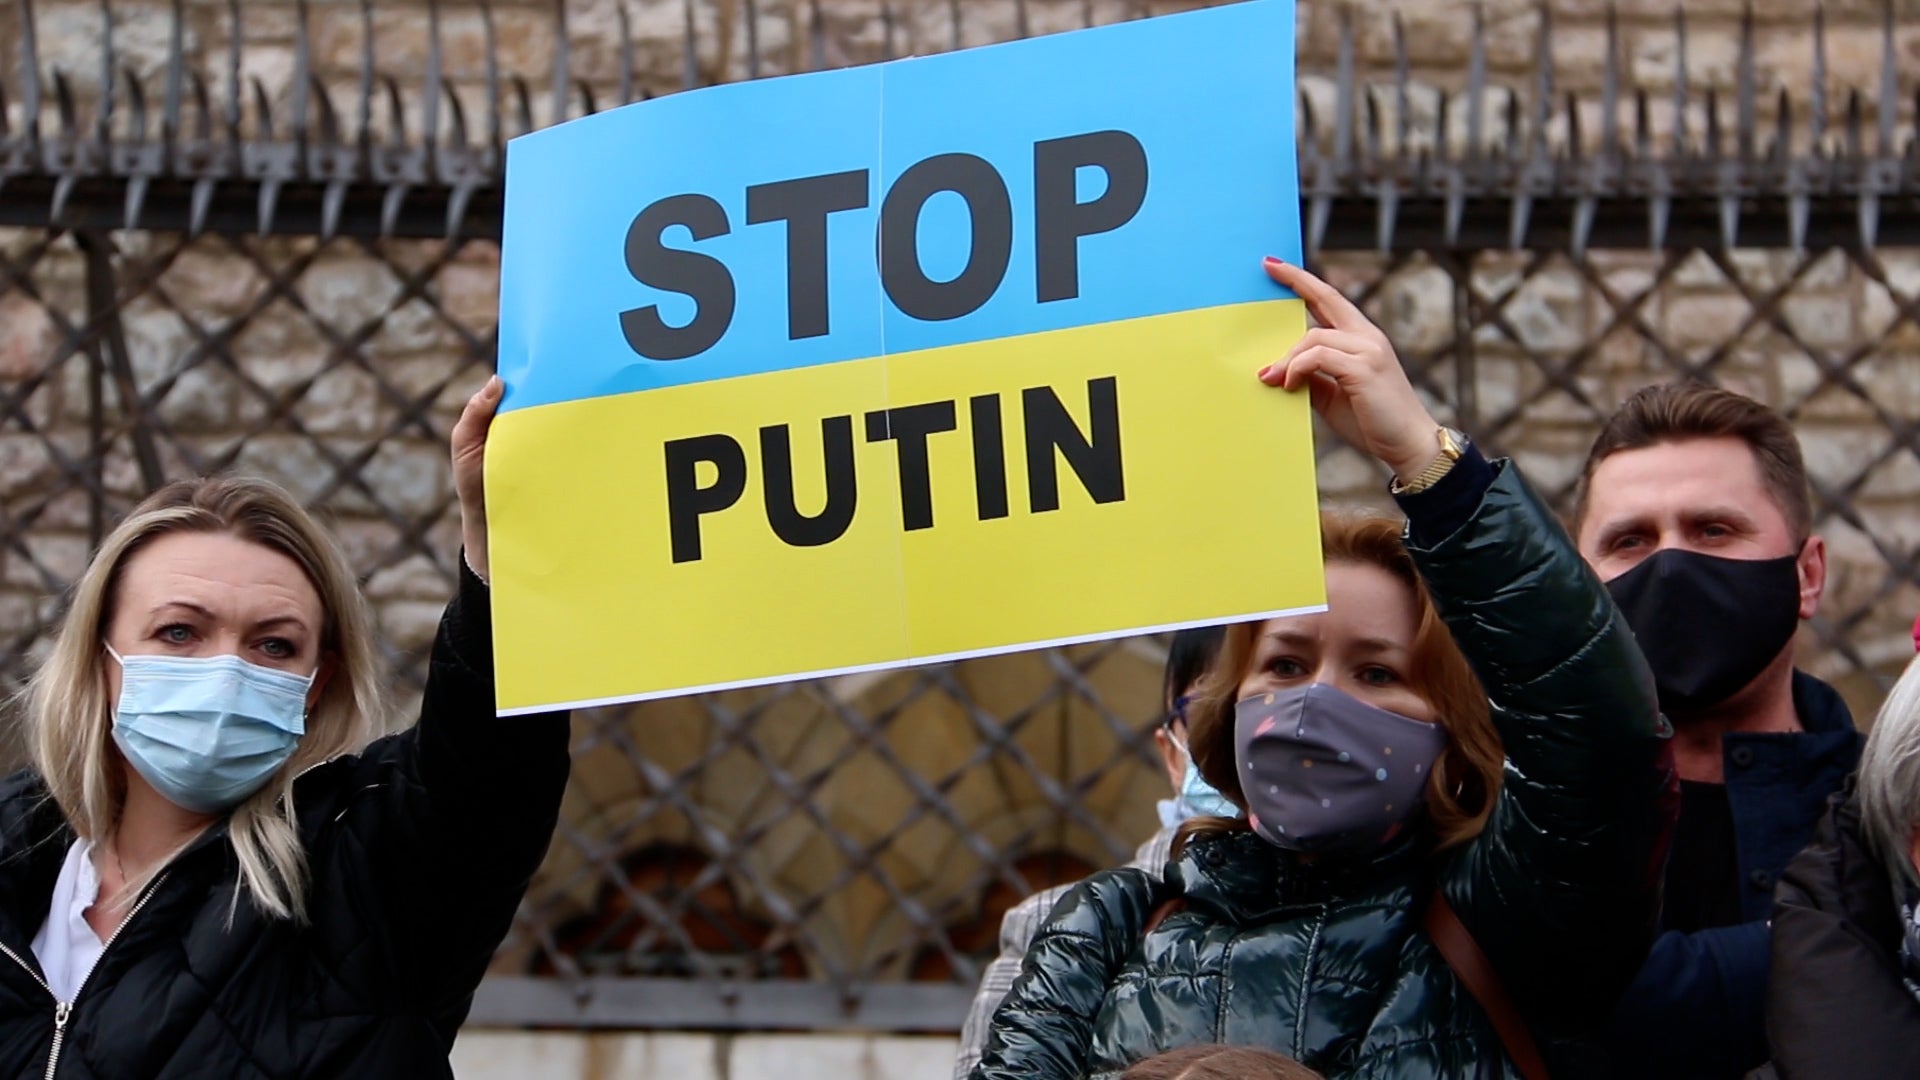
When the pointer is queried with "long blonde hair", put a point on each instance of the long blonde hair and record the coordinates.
(70, 717)
(1464, 782)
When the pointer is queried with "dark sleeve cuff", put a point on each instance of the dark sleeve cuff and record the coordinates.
(469, 622)
(1440, 511)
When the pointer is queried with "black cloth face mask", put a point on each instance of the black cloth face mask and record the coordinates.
(1708, 625)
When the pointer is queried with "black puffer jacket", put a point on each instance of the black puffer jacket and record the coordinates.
(420, 849)
(1327, 963)
(1837, 1001)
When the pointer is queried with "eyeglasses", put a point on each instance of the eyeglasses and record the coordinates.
(1176, 714)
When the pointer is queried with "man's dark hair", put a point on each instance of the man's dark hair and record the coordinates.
(1678, 411)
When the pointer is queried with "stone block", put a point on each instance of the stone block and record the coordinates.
(25, 464)
(69, 35)
(410, 476)
(414, 578)
(289, 460)
(1704, 319)
(202, 399)
(28, 337)
(348, 293)
(1823, 320)
(1896, 478)
(61, 556)
(345, 400)
(1549, 311)
(410, 624)
(1836, 454)
(1880, 318)
(1415, 308)
(470, 294)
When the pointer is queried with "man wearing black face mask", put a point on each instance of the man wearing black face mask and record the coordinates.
(1694, 508)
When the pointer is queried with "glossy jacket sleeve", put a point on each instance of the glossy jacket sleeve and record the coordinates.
(1045, 1024)
(1562, 888)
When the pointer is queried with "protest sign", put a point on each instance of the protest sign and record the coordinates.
(929, 359)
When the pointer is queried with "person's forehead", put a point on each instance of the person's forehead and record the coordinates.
(1363, 601)
(1677, 478)
(215, 569)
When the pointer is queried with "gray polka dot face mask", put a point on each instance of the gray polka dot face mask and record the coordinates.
(1325, 772)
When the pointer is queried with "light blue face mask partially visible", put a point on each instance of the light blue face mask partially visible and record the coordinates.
(208, 731)
(1197, 798)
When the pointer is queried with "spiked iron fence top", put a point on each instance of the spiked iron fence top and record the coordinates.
(1519, 166)
(202, 268)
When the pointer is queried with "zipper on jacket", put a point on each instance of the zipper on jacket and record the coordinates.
(63, 1010)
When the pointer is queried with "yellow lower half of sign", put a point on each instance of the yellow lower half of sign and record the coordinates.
(1066, 486)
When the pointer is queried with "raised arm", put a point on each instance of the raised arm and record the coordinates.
(1561, 890)
(455, 813)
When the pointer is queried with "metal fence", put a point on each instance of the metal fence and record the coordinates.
(231, 251)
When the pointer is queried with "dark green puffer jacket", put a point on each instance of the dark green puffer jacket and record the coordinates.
(1327, 963)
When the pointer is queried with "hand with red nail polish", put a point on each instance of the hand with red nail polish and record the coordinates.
(1354, 377)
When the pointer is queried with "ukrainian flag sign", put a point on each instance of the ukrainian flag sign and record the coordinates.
(930, 359)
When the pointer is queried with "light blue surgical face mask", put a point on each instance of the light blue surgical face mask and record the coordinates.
(1197, 798)
(207, 731)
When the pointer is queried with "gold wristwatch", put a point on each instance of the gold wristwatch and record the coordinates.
(1452, 446)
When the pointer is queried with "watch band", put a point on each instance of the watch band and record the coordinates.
(1452, 446)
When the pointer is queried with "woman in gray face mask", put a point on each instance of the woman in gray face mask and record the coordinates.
(1434, 875)
(217, 866)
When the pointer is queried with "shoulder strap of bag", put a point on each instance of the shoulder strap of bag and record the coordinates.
(1160, 914)
(1463, 955)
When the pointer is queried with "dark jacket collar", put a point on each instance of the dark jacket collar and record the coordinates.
(1246, 880)
(34, 839)
(1820, 707)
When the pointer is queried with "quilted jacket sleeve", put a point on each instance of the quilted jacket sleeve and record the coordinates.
(438, 850)
(1017, 930)
(1044, 1028)
(1562, 888)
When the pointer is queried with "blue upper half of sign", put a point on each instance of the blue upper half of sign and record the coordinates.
(634, 258)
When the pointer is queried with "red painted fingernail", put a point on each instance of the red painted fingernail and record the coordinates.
(1272, 261)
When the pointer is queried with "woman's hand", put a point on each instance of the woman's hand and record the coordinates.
(1357, 385)
(469, 454)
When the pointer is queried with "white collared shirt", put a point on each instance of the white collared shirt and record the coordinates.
(66, 946)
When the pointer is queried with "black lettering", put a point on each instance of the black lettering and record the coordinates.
(687, 500)
(989, 457)
(1095, 460)
(1060, 219)
(702, 277)
(776, 467)
(909, 427)
(804, 205)
(990, 209)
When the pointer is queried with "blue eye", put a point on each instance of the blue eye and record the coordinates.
(176, 634)
(279, 648)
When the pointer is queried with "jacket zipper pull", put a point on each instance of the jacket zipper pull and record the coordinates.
(62, 1010)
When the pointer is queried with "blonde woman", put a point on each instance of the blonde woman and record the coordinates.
(214, 867)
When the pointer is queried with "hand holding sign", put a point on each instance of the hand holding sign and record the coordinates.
(1356, 382)
(469, 446)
